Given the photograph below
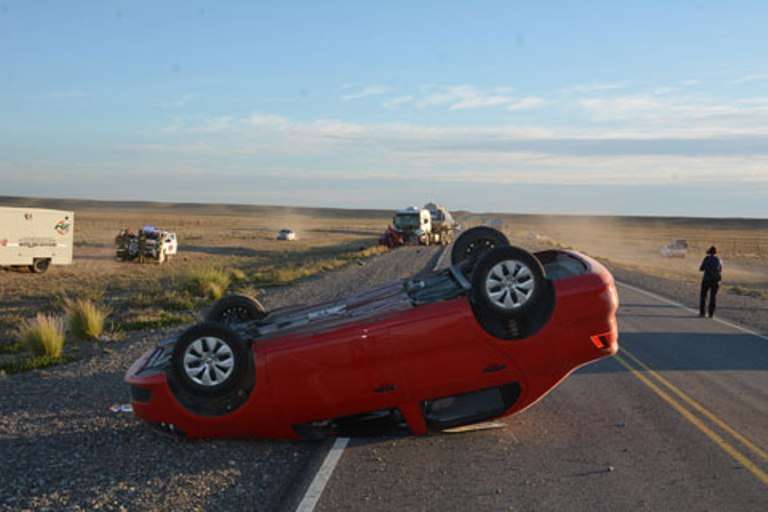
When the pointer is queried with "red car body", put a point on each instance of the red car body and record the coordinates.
(398, 360)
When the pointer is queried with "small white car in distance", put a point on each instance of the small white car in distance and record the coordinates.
(286, 234)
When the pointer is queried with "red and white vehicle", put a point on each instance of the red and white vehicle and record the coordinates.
(485, 338)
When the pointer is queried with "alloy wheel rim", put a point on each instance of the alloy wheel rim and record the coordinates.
(208, 361)
(510, 284)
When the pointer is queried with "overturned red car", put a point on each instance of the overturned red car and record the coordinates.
(484, 338)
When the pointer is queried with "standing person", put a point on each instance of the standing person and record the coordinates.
(710, 281)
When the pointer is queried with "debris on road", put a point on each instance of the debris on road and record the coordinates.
(118, 408)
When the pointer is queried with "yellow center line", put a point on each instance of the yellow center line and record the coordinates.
(696, 422)
(697, 406)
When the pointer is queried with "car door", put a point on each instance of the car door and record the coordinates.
(321, 376)
(440, 350)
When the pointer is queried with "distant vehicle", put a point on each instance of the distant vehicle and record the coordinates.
(432, 224)
(286, 234)
(676, 249)
(159, 245)
(415, 224)
(443, 225)
(485, 338)
(35, 238)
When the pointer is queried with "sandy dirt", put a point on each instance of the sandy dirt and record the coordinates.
(636, 242)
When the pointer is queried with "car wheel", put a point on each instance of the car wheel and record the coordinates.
(236, 309)
(210, 360)
(40, 265)
(475, 242)
(508, 282)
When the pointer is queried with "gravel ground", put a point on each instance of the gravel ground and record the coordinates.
(62, 449)
(747, 311)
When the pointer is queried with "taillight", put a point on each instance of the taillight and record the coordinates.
(601, 341)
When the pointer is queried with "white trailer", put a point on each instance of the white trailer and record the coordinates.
(443, 224)
(35, 237)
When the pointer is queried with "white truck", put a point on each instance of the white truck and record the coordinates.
(414, 224)
(35, 238)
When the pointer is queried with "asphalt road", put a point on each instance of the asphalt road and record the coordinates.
(61, 448)
(678, 421)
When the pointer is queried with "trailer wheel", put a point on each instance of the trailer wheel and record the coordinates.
(39, 265)
(236, 309)
(210, 360)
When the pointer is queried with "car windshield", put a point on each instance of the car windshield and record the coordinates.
(407, 221)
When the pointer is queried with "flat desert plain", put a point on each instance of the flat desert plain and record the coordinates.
(239, 241)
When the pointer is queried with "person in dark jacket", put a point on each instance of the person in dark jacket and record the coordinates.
(710, 281)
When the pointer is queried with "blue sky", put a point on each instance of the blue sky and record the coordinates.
(651, 108)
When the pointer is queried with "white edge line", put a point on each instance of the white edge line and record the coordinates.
(315, 490)
(323, 475)
(440, 259)
(673, 303)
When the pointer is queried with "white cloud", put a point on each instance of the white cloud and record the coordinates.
(460, 97)
(526, 103)
(398, 101)
(594, 87)
(761, 77)
(370, 90)
(670, 108)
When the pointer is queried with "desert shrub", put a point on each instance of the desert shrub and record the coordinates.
(44, 335)
(85, 319)
(211, 290)
(237, 275)
(207, 282)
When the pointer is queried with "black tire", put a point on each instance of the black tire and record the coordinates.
(230, 360)
(509, 283)
(474, 242)
(39, 265)
(235, 309)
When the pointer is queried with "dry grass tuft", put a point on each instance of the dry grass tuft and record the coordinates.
(207, 282)
(237, 275)
(44, 335)
(85, 319)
